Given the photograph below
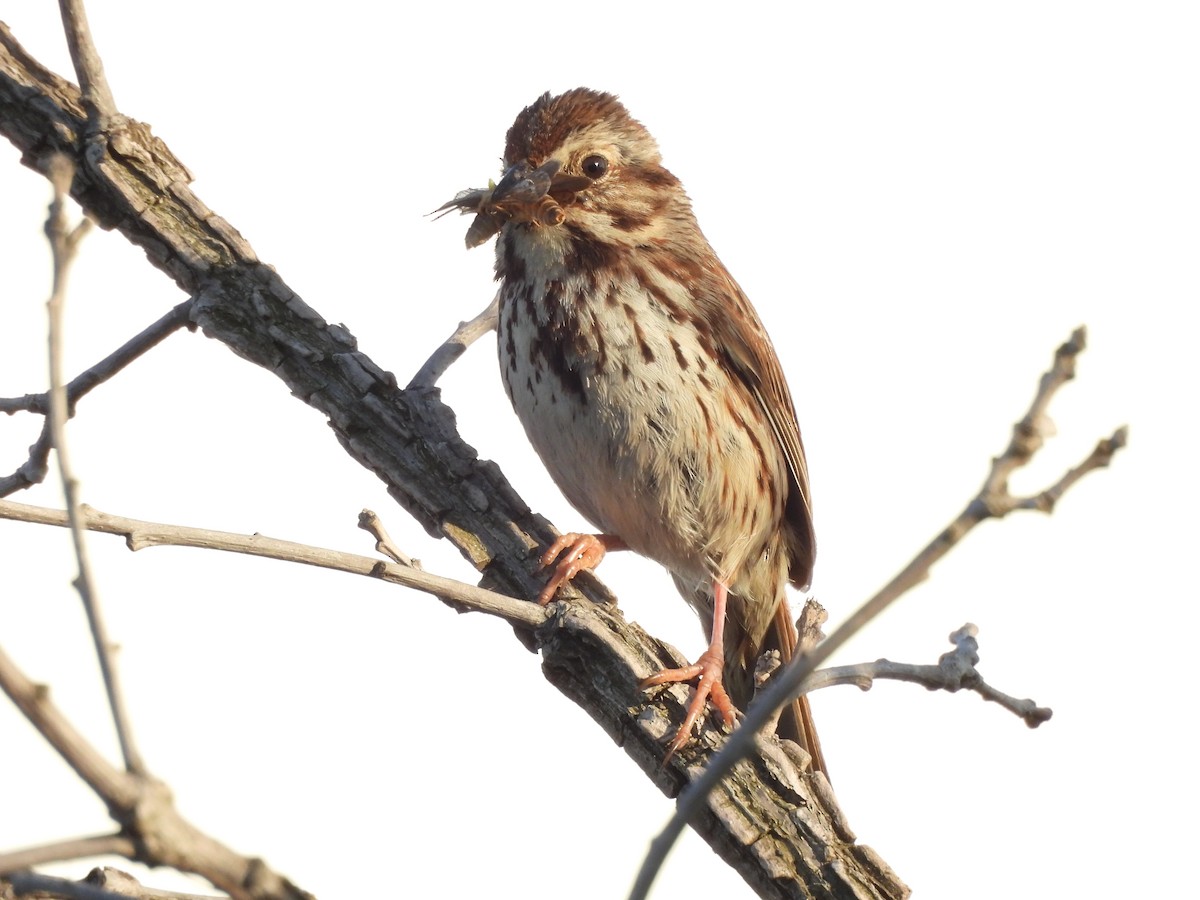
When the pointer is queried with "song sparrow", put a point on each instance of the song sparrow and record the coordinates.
(648, 386)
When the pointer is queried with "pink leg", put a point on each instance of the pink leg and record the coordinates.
(708, 670)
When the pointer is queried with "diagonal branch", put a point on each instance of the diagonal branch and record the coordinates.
(789, 840)
(455, 346)
(33, 470)
(142, 805)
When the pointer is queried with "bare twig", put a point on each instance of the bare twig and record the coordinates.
(33, 470)
(97, 97)
(139, 535)
(993, 501)
(100, 884)
(61, 851)
(455, 346)
(955, 671)
(142, 805)
(93, 376)
(64, 244)
(48, 887)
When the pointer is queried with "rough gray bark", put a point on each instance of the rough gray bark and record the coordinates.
(777, 825)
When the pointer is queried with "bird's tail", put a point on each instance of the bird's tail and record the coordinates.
(796, 720)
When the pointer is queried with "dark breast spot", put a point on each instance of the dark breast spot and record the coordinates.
(680, 358)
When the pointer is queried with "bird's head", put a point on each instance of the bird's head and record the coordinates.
(577, 160)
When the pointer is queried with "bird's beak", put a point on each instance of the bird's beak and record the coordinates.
(523, 184)
(523, 189)
(523, 194)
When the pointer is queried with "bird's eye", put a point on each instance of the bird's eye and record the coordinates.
(594, 166)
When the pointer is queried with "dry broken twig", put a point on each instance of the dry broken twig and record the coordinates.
(369, 521)
(955, 671)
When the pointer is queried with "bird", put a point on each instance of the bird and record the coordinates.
(649, 388)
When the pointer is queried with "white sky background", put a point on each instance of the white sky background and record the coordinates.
(921, 199)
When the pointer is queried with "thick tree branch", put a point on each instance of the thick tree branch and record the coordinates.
(778, 829)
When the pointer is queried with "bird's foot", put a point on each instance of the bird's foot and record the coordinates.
(707, 672)
(575, 553)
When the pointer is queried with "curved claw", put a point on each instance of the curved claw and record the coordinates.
(707, 670)
(583, 552)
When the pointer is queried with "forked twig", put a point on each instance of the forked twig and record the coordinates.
(141, 804)
(993, 501)
(33, 470)
(955, 671)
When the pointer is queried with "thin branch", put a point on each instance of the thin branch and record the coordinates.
(50, 887)
(1099, 458)
(93, 376)
(142, 805)
(139, 535)
(955, 671)
(33, 470)
(455, 346)
(97, 97)
(100, 884)
(61, 851)
(64, 244)
(992, 501)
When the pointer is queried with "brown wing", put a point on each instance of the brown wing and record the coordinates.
(739, 332)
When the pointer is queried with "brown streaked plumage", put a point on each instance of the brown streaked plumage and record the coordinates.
(647, 384)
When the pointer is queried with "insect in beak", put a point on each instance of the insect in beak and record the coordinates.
(523, 194)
